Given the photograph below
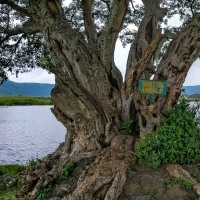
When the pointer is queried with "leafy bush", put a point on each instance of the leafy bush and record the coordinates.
(126, 126)
(177, 141)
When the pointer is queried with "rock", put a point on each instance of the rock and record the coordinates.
(194, 171)
(141, 197)
(178, 193)
(144, 183)
(196, 188)
(178, 172)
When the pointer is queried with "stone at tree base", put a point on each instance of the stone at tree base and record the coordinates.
(194, 170)
(196, 188)
(144, 183)
(177, 171)
(179, 193)
(141, 197)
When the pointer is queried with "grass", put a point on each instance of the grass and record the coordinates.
(21, 100)
(11, 192)
(170, 182)
(12, 169)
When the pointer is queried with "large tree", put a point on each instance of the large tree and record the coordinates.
(77, 44)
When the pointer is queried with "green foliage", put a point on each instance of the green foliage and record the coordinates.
(18, 100)
(126, 126)
(12, 169)
(11, 194)
(44, 193)
(170, 182)
(151, 192)
(66, 170)
(177, 141)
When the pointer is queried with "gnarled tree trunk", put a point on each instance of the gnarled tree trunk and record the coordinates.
(87, 100)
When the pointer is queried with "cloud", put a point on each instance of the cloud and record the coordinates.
(36, 75)
(121, 54)
(193, 76)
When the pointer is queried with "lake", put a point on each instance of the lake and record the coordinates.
(28, 132)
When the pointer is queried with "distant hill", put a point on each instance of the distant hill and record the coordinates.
(10, 88)
(189, 90)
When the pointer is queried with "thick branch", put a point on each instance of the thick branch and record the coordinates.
(16, 7)
(29, 27)
(182, 52)
(110, 33)
(134, 74)
(147, 34)
(88, 20)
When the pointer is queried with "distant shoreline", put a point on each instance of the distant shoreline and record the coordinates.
(24, 100)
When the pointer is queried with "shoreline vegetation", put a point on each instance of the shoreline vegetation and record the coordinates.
(10, 181)
(29, 100)
(24, 100)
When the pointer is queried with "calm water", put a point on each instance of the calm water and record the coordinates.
(28, 132)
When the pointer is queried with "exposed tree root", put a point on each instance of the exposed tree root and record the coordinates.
(103, 179)
(45, 172)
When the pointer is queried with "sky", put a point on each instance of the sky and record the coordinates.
(121, 54)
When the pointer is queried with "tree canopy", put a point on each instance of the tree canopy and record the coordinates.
(22, 45)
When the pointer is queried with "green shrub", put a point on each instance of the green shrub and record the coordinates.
(177, 141)
(126, 126)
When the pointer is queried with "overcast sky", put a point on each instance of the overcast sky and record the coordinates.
(41, 76)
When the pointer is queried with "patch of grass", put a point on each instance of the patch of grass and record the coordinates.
(170, 182)
(11, 194)
(66, 170)
(20, 100)
(12, 169)
(44, 193)
(151, 192)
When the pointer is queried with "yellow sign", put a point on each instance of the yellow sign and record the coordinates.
(152, 87)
